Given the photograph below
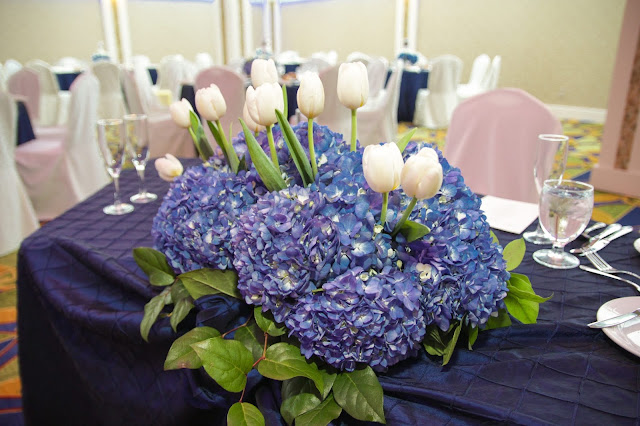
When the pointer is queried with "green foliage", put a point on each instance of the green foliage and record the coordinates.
(413, 230)
(202, 282)
(472, 334)
(440, 343)
(297, 405)
(513, 253)
(244, 414)
(252, 337)
(321, 415)
(284, 361)
(154, 264)
(199, 138)
(494, 237)
(359, 393)
(266, 169)
(182, 355)
(502, 320)
(295, 150)
(521, 301)
(404, 141)
(266, 323)
(152, 310)
(227, 361)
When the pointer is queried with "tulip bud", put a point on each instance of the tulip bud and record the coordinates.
(252, 125)
(421, 176)
(210, 103)
(263, 102)
(263, 71)
(429, 153)
(353, 85)
(382, 166)
(180, 113)
(311, 95)
(168, 167)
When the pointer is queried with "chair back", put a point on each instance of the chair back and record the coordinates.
(496, 65)
(111, 103)
(480, 71)
(444, 76)
(26, 84)
(11, 66)
(232, 87)
(203, 60)
(335, 115)
(173, 72)
(49, 88)
(377, 73)
(71, 63)
(359, 57)
(493, 137)
(130, 87)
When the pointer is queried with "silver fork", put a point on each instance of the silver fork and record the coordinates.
(603, 266)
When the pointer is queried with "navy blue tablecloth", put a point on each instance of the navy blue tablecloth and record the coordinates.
(153, 73)
(65, 79)
(410, 84)
(24, 129)
(82, 360)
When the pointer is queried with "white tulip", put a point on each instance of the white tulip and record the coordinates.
(252, 125)
(353, 85)
(263, 102)
(210, 103)
(263, 71)
(311, 95)
(168, 167)
(180, 113)
(421, 176)
(382, 166)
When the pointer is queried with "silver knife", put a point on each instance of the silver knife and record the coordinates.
(603, 242)
(605, 274)
(586, 233)
(614, 227)
(615, 320)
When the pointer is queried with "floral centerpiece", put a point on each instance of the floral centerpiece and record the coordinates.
(346, 274)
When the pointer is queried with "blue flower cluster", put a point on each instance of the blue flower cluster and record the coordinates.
(318, 260)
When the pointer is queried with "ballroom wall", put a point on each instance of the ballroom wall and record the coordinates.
(561, 51)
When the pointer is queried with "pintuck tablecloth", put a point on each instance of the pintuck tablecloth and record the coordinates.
(82, 360)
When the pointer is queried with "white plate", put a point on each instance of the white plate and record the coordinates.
(636, 245)
(625, 335)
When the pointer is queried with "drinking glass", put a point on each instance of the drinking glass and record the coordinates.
(112, 145)
(565, 210)
(551, 161)
(138, 144)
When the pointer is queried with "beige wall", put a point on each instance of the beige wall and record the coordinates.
(561, 51)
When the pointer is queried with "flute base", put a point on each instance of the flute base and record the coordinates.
(556, 259)
(143, 197)
(118, 209)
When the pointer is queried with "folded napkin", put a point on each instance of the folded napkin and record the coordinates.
(509, 215)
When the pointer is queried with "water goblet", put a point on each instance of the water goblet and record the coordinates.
(565, 210)
(550, 163)
(138, 143)
(112, 145)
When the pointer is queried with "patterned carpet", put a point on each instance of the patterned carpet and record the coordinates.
(584, 149)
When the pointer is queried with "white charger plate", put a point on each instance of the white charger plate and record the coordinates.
(636, 245)
(625, 335)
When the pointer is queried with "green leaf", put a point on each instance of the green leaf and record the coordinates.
(227, 362)
(440, 343)
(218, 138)
(252, 337)
(451, 344)
(151, 311)
(202, 282)
(433, 343)
(297, 385)
(295, 150)
(285, 98)
(324, 413)
(297, 405)
(199, 137)
(472, 332)
(265, 168)
(520, 285)
(284, 361)
(154, 264)
(267, 324)
(182, 355)
(180, 311)
(494, 237)
(404, 141)
(360, 394)
(244, 414)
(502, 320)
(178, 292)
(521, 301)
(413, 230)
(513, 253)
(328, 379)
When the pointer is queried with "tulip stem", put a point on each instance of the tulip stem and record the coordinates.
(354, 123)
(272, 148)
(404, 217)
(312, 151)
(385, 203)
(231, 155)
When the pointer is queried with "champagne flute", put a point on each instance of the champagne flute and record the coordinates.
(138, 144)
(551, 161)
(565, 211)
(112, 145)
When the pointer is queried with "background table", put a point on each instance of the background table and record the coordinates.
(82, 361)
(24, 129)
(65, 79)
(411, 82)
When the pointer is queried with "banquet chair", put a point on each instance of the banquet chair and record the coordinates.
(71, 63)
(54, 103)
(289, 57)
(18, 218)
(232, 86)
(435, 104)
(111, 104)
(11, 66)
(359, 57)
(377, 73)
(493, 138)
(203, 60)
(378, 118)
(165, 136)
(478, 79)
(3, 79)
(335, 115)
(25, 84)
(174, 70)
(62, 170)
(496, 65)
(330, 57)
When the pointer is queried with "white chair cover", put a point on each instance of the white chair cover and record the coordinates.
(25, 84)
(378, 120)
(314, 65)
(53, 105)
(173, 72)
(496, 65)
(478, 79)
(359, 57)
(435, 104)
(10, 67)
(59, 172)
(232, 86)
(203, 60)
(330, 57)
(18, 218)
(111, 103)
(377, 73)
(165, 136)
(3, 79)
(71, 63)
(335, 115)
(493, 138)
(289, 57)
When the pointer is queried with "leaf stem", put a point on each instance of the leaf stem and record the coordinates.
(238, 327)
(242, 396)
(272, 148)
(385, 203)
(264, 350)
(312, 151)
(404, 217)
(354, 123)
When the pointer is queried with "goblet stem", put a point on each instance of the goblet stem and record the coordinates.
(140, 170)
(116, 194)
